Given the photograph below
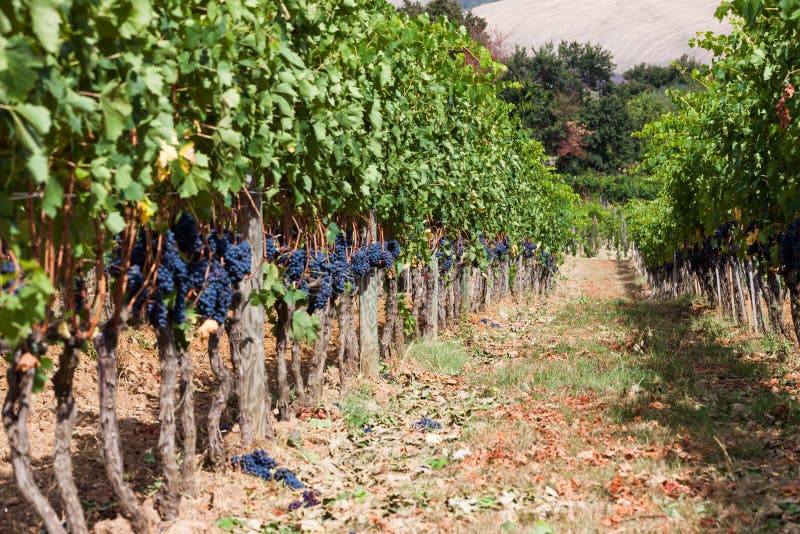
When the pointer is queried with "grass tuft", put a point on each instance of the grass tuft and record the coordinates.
(359, 406)
(440, 357)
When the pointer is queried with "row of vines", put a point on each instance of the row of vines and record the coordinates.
(207, 167)
(726, 223)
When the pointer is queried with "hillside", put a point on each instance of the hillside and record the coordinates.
(650, 31)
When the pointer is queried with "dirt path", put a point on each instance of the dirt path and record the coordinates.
(604, 277)
(592, 410)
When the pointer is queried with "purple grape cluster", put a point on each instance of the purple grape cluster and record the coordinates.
(186, 232)
(310, 498)
(171, 277)
(528, 248)
(790, 247)
(490, 256)
(271, 247)
(216, 295)
(295, 265)
(188, 264)
(548, 261)
(287, 477)
(261, 464)
(425, 425)
(501, 249)
(258, 463)
(325, 274)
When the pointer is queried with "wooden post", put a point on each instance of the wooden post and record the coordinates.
(675, 275)
(756, 318)
(741, 308)
(246, 330)
(369, 345)
(476, 293)
(466, 289)
(487, 301)
(433, 299)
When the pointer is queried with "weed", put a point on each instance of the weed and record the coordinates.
(712, 326)
(406, 315)
(358, 406)
(440, 357)
(153, 488)
(775, 344)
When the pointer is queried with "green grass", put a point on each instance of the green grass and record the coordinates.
(440, 357)
(359, 406)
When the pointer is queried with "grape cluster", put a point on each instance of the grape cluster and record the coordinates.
(425, 424)
(790, 248)
(501, 248)
(170, 280)
(188, 264)
(528, 248)
(238, 259)
(325, 274)
(486, 248)
(261, 464)
(271, 247)
(217, 294)
(445, 255)
(548, 261)
(295, 265)
(258, 463)
(189, 240)
(80, 293)
(310, 498)
(287, 477)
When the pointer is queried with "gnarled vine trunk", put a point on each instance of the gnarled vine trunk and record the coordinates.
(316, 378)
(418, 301)
(62, 456)
(188, 427)
(106, 346)
(387, 345)
(219, 399)
(15, 419)
(773, 295)
(348, 339)
(169, 498)
(285, 312)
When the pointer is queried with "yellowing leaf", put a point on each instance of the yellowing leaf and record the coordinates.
(187, 152)
(147, 209)
(166, 155)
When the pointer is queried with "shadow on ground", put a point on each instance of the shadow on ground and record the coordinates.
(732, 405)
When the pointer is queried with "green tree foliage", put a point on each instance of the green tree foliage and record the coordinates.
(566, 96)
(452, 10)
(678, 75)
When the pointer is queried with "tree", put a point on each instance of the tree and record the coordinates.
(566, 96)
(476, 26)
